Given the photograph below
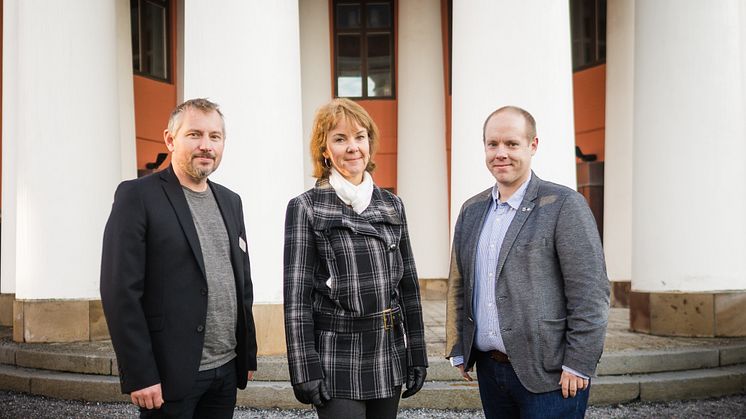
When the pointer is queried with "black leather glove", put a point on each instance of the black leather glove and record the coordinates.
(415, 380)
(312, 392)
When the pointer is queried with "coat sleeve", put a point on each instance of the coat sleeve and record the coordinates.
(122, 285)
(586, 285)
(455, 300)
(410, 299)
(300, 261)
(248, 299)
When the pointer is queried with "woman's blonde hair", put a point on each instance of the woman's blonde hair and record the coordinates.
(326, 119)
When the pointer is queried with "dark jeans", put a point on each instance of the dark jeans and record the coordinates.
(361, 409)
(213, 395)
(503, 396)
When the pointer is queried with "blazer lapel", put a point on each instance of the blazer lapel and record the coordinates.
(231, 229)
(471, 229)
(331, 212)
(175, 195)
(520, 218)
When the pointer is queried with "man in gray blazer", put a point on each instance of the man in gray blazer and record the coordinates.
(528, 294)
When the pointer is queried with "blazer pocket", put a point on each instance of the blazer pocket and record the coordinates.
(552, 341)
(534, 245)
(155, 323)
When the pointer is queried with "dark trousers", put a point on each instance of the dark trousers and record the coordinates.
(213, 395)
(361, 409)
(503, 395)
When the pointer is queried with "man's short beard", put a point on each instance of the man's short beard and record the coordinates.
(198, 173)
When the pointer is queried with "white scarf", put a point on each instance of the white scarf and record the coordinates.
(356, 196)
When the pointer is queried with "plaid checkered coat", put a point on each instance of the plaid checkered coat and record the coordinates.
(347, 264)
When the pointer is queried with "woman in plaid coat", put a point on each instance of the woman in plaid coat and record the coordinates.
(353, 317)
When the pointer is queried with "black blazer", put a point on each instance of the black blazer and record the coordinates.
(154, 287)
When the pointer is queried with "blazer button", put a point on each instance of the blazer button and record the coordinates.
(200, 329)
(203, 291)
(393, 247)
(470, 319)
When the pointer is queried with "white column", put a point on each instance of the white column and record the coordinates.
(510, 53)
(316, 71)
(245, 55)
(10, 128)
(65, 121)
(689, 198)
(620, 47)
(421, 134)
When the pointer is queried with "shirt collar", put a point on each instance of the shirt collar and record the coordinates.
(515, 200)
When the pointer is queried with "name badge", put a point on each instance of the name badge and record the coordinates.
(242, 244)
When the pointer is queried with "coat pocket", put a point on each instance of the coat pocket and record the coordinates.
(552, 340)
(155, 323)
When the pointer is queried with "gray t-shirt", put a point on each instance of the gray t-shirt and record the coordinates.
(220, 328)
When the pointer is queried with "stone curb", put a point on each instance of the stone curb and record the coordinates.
(275, 368)
(679, 385)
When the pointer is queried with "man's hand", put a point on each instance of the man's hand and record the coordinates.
(251, 375)
(571, 383)
(148, 397)
(464, 373)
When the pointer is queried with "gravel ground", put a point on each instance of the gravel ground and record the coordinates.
(17, 405)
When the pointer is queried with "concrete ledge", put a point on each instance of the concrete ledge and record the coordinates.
(86, 364)
(446, 395)
(648, 361)
(15, 379)
(268, 395)
(731, 355)
(696, 384)
(96, 388)
(614, 390)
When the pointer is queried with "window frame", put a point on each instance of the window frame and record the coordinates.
(598, 38)
(363, 32)
(168, 42)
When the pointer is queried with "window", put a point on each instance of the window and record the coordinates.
(364, 49)
(588, 26)
(150, 38)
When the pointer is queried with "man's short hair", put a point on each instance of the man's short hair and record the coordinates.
(527, 117)
(200, 104)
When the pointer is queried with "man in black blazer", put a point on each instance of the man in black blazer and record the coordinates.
(175, 280)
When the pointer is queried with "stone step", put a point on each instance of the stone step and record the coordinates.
(678, 385)
(44, 357)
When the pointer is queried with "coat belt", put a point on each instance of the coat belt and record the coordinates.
(385, 320)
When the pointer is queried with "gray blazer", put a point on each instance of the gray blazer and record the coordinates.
(552, 290)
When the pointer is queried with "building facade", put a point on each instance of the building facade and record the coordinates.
(655, 90)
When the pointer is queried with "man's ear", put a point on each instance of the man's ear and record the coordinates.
(168, 139)
(534, 145)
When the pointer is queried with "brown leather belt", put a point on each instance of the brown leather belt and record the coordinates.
(498, 357)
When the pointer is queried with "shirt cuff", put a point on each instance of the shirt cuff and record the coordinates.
(570, 370)
(456, 360)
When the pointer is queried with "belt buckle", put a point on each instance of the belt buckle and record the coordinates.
(388, 319)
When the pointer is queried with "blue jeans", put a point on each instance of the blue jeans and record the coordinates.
(503, 395)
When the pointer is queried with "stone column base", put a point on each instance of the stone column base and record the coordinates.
(58, 321)
(6, 309)
(620, 293)
(269, 320)
(688, 314)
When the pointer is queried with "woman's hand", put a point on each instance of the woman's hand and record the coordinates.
(415, 380)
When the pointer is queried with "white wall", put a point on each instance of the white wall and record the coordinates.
(620, 43)
(421, 135)
(510, 53)
(245, 55)
(316, 71)
(66, 121)
(689, 198)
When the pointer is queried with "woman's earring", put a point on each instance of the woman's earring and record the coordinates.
(327, 163)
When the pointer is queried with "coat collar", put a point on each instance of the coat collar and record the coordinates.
(331, 212)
